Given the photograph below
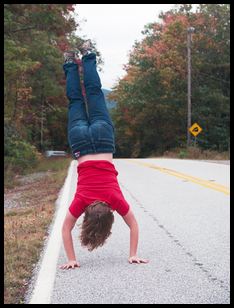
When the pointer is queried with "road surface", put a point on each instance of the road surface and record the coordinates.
(182, 208)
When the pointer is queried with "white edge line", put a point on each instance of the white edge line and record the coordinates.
(44, 284)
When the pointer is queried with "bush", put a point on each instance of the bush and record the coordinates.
(19, 155)
(22, 156)
(183, 154)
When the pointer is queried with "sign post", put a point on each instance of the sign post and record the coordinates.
(195, 129)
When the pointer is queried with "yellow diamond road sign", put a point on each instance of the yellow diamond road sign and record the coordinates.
(195, 129)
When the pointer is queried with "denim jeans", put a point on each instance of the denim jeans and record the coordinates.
(90, 128)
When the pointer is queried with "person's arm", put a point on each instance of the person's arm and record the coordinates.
(68, 225)
(130, 220)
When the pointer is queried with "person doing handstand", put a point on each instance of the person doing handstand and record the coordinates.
(92, 142)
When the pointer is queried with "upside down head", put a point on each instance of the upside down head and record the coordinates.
(96, 226)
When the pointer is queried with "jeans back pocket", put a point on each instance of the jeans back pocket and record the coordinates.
(102, 132)
(79, 136)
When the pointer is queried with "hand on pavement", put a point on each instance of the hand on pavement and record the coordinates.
(70, 264)
(135, 259)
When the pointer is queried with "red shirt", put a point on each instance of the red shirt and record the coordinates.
(97, 180)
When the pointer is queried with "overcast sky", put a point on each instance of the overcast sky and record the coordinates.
(115, 27)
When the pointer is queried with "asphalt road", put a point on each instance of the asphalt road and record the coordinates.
(182, 208)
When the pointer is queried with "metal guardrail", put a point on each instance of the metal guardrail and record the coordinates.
(55, 153)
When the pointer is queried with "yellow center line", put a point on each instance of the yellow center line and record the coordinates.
(204, 183)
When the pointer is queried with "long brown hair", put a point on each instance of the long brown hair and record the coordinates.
(96, 226)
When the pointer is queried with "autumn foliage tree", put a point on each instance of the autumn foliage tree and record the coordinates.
(35, 104)
(151, 114)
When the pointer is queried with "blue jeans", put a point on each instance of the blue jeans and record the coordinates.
(90, 128)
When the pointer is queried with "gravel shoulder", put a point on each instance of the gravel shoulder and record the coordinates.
(14, 198)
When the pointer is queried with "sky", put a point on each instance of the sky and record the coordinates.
(115, 28)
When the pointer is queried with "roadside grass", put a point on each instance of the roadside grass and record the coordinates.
(52, 164)
(26, 227)
(44, 164)
(193, 152)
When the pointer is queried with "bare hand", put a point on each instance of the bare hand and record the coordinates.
(70, 264)
(135, 259)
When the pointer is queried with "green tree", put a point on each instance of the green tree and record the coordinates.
(35, 103)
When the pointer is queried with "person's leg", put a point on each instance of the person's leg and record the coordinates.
(78, 124)
(95, 97)
(77, 112)
(101, 125)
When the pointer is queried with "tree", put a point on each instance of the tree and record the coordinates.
(151, 111)
(35, 103)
